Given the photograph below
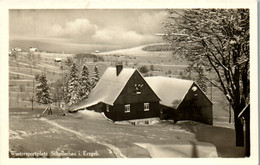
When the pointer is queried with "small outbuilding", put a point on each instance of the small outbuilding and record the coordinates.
(122, 94)
(31, 49)
(181, 99)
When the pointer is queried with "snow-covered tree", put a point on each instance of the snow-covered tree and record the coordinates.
(202, 81)
(217, 39)
(85, 83)
(69, 61)
(65, 94)
(42, 90)
(95, 76)
(201, 78)
(73, 85)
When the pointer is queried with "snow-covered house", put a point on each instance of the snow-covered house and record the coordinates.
(181, 99)
(33, 49)
(57, 60)
(122, 94)
(17, 49)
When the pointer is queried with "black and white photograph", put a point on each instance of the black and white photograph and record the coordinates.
(137, 83)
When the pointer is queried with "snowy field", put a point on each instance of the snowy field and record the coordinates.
(88, 134)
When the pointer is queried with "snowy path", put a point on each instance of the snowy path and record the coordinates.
(21, 74)
(11, 80)
(87, 139)
(50, 67)
(43, 65)
(17, 68)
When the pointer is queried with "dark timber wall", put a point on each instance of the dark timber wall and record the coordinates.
(136, 101)
(117, 112)
(193, 107)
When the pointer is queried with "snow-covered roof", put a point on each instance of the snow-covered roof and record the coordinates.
(171, 91)
(107, 89)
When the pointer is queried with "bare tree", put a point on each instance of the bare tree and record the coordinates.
(215, 41)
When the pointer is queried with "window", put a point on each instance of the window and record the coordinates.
(194, 88)
(127, 108)
(146, 107)
(138, 88)
(107, 108)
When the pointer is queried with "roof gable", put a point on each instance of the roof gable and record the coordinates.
(130, 89)
(107, 89)
(171, 91)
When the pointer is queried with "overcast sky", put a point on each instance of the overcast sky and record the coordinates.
(89, 27)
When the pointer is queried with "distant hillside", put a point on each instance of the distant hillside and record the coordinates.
(144, 50)
(158, 47)
(58, 47)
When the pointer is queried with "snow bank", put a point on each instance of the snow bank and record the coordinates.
(146, 121)
(90, 114)
(184, 150)
(123, 122)
(106, 117)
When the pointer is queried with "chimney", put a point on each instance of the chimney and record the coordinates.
(119, 68)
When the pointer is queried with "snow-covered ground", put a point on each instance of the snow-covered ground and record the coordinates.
(162, 140)
(181, 150)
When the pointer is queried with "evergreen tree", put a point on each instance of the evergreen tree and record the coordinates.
(65, 94)
(95, 76)
(85, 84)
(73, 85)
(42, 90)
